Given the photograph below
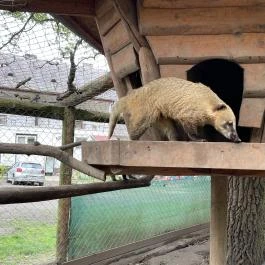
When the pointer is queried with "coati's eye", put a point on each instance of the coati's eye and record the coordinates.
(230, 123)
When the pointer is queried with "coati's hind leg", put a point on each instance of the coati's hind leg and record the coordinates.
(167, 128)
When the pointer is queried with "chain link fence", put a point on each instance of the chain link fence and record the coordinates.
(41, 64)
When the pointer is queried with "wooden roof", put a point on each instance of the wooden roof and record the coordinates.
(78, 15)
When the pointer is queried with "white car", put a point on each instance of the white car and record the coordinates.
(26, 173)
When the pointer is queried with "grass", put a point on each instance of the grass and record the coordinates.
(107, 220)
(28, 242)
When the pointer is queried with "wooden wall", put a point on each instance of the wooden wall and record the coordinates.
(183, 33)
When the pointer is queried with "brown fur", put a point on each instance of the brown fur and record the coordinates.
(167, 101)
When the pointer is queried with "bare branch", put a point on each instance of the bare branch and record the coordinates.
(71, 76)
(47, 150)
(30, 194)
(23, 82)
(90, 90)
(20, 107)
(50, 62)
(89, 57)
(18, 32)
(69, 146)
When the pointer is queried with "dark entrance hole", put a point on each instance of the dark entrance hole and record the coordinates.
(226, 79)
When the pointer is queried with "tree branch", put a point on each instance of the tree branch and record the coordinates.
(19, 107)
(30, 194)
(56, 152)
(90, 90)
(18, 32)
(68, 146)
(23, 82)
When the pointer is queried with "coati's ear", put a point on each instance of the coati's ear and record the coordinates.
(220, 106)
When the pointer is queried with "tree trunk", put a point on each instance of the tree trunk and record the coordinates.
(65, 179)
(245, 221)
(245, 239)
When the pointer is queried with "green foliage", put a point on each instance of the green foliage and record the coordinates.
(27, 242)
(3, 170)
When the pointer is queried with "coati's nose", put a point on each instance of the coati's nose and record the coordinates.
(234, 137)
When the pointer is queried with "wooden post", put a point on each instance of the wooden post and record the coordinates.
(65, 179)
(149, 68)
(218, 226)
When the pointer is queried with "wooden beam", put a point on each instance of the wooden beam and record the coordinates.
(179, 71)
(149, 68)
(200, 3)
(177, 158)
(34, 194)
(202, 21)
(191, 49)
(62, 7)
(82, 29)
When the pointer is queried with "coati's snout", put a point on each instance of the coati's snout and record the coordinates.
(225, 123)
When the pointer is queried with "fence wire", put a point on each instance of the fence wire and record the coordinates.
(36, 67)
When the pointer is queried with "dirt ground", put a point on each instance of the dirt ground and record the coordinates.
(189, 250)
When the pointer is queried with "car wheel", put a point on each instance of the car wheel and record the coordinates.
(41, 184)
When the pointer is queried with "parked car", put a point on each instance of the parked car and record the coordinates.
(26, 173)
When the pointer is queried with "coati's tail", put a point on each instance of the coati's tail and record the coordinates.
(114, 116)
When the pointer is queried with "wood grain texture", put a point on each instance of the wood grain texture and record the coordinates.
(190, 49)
(254, 80)
(226, 20)
(125, 61)
(251, 112)
(184, 158)
(117, 38)
(200, 3)
(179, 71)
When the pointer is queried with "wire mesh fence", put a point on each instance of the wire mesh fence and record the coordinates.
(41, 64)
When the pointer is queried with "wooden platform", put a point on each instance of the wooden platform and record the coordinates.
(176, 158)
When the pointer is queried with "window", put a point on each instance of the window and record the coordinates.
(26, 138)
(3, 119)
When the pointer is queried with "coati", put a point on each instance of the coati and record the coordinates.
(167, 102)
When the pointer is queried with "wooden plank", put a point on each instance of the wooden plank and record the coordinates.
(102, 6)
(125, 61)
(107, 21)
(179, 71)
(226, 20)
(251, 112)
(117, 38)
(59, 7)
(200, 3)
(195, 158)
(128, 13)
(191, 49)
(254, 80)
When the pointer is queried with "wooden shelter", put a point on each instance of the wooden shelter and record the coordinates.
(219, 43)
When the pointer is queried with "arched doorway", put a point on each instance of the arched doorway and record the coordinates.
(226, 79)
